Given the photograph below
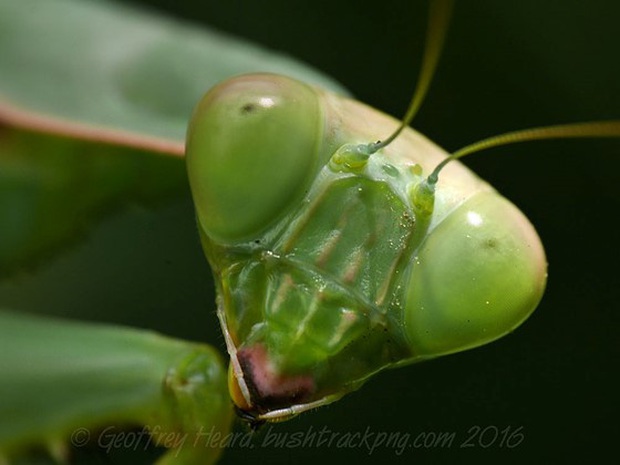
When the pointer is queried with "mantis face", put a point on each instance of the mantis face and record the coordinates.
(332, 262)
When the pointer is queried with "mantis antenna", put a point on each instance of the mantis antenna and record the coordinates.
(561, 131)
(440, 12)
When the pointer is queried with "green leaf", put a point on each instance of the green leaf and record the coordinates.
(100, 70)
(53, 188)
(65, 380)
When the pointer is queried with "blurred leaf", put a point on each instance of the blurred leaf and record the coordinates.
(61, 377)
(101, 70)
(52, 188)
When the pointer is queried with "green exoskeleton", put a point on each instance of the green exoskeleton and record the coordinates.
(332, 266)
(335, 257)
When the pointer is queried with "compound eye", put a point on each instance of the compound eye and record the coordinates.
(252, 150)
(479, 274)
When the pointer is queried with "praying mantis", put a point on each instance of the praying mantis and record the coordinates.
(369, 141)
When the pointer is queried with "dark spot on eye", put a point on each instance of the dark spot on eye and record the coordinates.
(490, 243)
(248, 108)
(257, 241)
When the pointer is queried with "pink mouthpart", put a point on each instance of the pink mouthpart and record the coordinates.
(266, 385)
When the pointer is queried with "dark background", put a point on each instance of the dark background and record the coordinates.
(507, 65)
